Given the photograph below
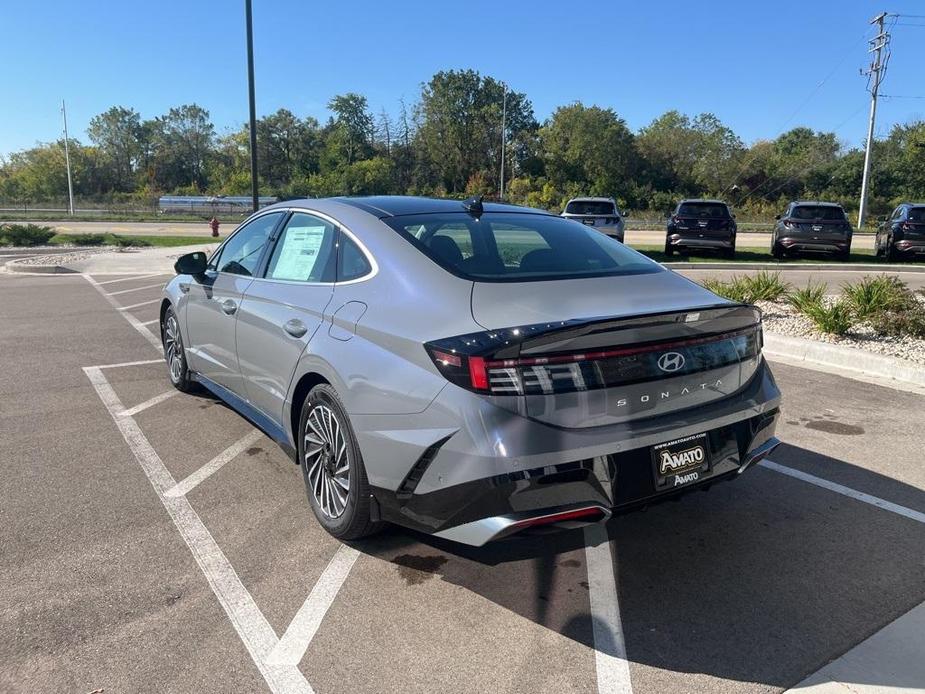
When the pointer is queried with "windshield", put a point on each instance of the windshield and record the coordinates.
(823, 212)
(917, 214)
(516, 247)
(590, 207)
(703, 209)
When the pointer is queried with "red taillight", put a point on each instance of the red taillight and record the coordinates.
(906, 226)
(791, 224)
(478, 374)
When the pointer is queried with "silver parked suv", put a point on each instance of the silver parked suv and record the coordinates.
(600, 213)
(469, 370)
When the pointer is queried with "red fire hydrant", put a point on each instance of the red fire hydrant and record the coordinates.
(214, 224)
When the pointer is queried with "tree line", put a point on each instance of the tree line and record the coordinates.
(448, 143)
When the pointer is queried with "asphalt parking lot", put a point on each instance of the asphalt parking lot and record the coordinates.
(154, 541)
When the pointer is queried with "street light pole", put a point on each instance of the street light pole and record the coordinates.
(67, 162)
(253, 108)
(503, 137)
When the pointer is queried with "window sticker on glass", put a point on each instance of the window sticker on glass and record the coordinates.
(297, 258)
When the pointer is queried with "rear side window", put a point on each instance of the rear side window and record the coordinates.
(242, 252)
(824, 212)
(304, 251)
(590, 207)
(517, 247)
(352, 264)
(917, 214)
(703, 209)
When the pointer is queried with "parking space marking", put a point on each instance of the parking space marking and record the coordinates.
(233, 451)
(133, 277)
(151, 322)
(845, 491)
(138, 305)
(134, 322)
(128, 363)
(137, 289)
(248, 621)
(293, 644)
(157, 399)
(613, 672)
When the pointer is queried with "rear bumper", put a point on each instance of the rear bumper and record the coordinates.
(795, 243)
(586, 482)
(910, 246)
(681, 241)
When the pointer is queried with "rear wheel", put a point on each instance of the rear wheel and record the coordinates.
(173, 352)
(669, 251)
(730, 252)
(332, 467)
(777, 251)
(889, 253)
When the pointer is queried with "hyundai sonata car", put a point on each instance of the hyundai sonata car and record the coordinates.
(701, 225)
(600, 213)
(469, 369)
(812, 227)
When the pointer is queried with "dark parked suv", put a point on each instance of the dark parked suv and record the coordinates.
(701, 225)
(813, 227)
(903, 233)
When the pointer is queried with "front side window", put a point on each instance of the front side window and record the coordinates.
(241, 253)
(305, 250)
(516, 247)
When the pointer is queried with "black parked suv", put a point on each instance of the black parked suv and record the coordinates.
(813, 227)
(903, 233)
(701, 225)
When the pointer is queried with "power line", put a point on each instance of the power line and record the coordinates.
(900, 96)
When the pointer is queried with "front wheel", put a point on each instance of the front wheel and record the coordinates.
(332, 467)
(177, 369)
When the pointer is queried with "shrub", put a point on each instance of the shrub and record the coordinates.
(765, 286)
(812, 295)
(871, 296)
(87, 239)
(123, 242)
(25, 234)
(835, 319)
(907, 323)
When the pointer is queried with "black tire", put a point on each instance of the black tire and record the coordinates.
(777, 251)
(346, 517)
(844, 256)
(669, 251)
(730, 253)
(889, 253)
(174, 354)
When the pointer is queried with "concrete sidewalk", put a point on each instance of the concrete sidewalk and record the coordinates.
(143, 260)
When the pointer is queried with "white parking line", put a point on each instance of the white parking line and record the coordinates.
(845, 491)
(183, 488)
(157, 399)
(139, 305)
(246, 618)
(293, 644)
(151, 322)
(613, 672)
(133, 277)
(127, 363)
(134, 322)
(136, 289)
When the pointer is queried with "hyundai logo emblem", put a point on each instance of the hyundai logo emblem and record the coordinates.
(671, 362)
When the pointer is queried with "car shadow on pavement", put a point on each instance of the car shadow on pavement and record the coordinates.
(765, 579)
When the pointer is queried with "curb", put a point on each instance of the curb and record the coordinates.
(15, 266)
(806, 267)
(847, 359)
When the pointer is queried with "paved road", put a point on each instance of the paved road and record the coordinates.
(647, 238)
(747, 588)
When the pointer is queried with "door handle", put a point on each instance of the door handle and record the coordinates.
(295, 327)
(229, 306)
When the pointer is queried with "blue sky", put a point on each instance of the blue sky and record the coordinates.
(762, 67)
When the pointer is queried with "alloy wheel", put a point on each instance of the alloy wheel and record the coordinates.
(326, 460)
(173, 348)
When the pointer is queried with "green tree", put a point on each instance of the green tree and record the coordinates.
(116, 133)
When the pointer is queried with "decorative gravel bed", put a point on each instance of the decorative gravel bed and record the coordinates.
(64, 258)
(783, 319)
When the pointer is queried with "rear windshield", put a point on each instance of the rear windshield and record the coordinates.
(823, 212)
(590, 207)
(917, 214)
(517, 247)
(703, 209)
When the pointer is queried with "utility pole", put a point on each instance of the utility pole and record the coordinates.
(503, 137)
(875, 72)
(253, 107)
(67, 162)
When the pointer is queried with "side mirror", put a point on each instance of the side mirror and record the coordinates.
(777, 216)
(668, 214)
(733, 216)
(191, 264)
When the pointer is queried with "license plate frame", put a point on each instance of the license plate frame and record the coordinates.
(688, 461)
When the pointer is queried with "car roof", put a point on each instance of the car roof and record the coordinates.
(816, 202)
(382, 206)
(591, 199)
(712, 202)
